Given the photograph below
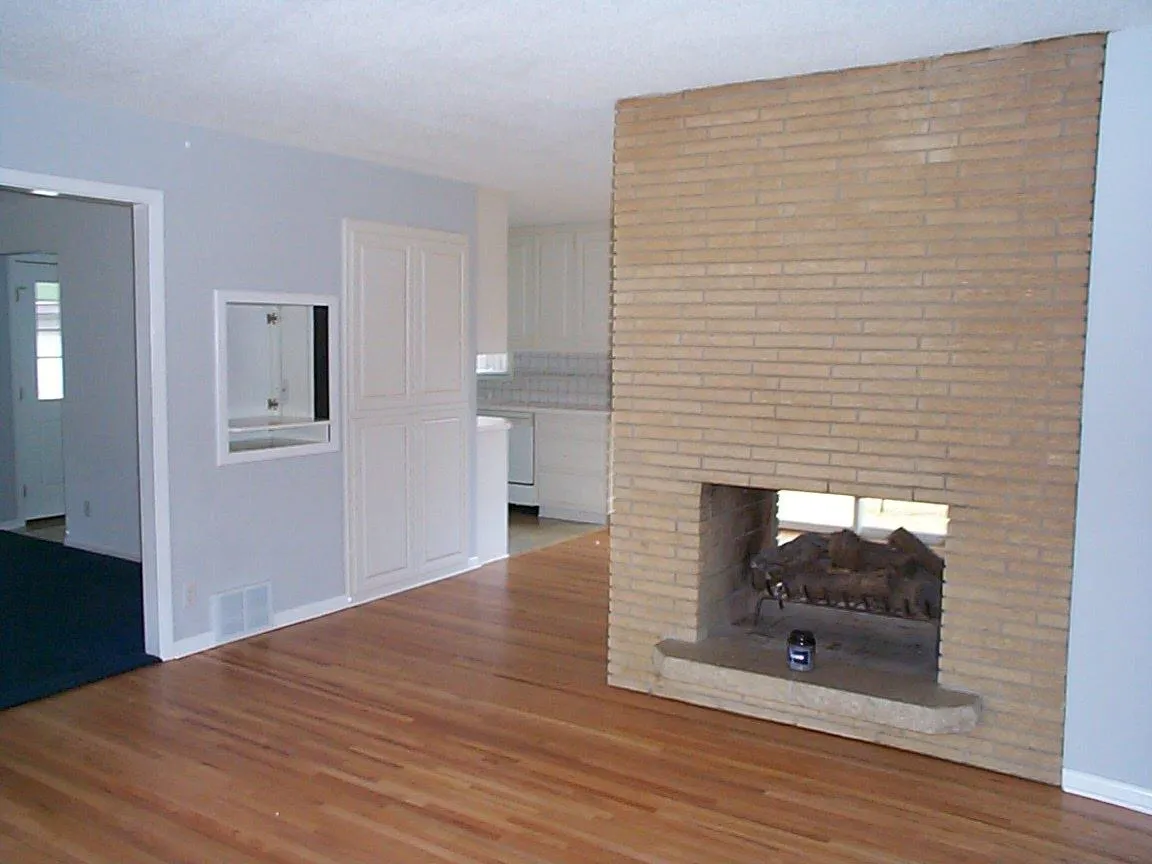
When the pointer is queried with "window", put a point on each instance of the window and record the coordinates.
(49, 343)
(868, 517)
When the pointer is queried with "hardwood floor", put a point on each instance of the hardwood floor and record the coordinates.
(469, 721)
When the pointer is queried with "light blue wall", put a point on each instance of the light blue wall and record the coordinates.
(93, 242)
(7, 436)
(1109, 710)
(239, 214)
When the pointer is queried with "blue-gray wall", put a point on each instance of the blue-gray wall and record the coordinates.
(239, 214)
(93, 244)
(7, 435)
(1109, 715)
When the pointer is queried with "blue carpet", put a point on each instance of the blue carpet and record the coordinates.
(67, 618)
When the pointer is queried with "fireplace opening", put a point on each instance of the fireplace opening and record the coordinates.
(865, 575)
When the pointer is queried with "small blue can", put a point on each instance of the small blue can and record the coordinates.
(801, 650)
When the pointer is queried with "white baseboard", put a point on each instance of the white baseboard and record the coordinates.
(206, 640)
(309, 611)
(1108, 791)
(573, 514)
(191, 645)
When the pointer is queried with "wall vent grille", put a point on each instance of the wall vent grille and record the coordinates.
(243, 611)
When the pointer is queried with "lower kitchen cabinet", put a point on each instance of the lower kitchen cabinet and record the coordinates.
(572, 465)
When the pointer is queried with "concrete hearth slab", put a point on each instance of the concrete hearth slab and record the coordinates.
(741, 667)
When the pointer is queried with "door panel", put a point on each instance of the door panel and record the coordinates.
(379, 310)
(381, 522)
(35, 318)
(523, 294)
(443, 337)
(443, 514)
(555, 274)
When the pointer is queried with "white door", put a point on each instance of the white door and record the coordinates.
(440, 303)
(37, 344)
(442, 504)
(408, 361)
(380, 319)
(380, 520)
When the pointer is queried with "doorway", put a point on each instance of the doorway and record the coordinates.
(73, 612)
(148, 318)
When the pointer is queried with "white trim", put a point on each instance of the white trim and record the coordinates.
(1109, 791)
(573, 514)
(309, 611)
(206, 640)
(401, 587)
(340, 361)
(151, 387)
(193, 645)
(224, 453)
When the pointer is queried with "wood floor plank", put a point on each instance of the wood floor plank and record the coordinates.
(469, 721)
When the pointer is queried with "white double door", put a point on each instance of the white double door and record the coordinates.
(407, 364)
(36, 341)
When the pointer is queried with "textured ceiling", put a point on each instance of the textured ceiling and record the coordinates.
(516, 94)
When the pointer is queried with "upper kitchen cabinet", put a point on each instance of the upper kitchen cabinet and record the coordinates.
(558, 284)
(523, 291)
(594, 276)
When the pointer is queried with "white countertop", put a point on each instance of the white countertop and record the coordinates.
(540, 409)
(485, 423)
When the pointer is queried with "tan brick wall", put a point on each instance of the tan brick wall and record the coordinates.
(868, 282)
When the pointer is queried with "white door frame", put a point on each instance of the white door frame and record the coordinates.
(151, 387)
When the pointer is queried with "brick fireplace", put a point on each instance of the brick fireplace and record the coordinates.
(872, 283)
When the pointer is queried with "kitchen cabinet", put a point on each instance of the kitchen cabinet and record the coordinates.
(523, 292)
(558, 288)
(572, 465)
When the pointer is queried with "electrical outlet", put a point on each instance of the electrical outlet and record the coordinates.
(190, 594)
(87, 508)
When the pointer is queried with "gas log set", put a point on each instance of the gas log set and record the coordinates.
(900, 577)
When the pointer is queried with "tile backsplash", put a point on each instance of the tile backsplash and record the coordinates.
(549, 379)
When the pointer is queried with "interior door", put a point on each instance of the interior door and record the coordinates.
(37, 343)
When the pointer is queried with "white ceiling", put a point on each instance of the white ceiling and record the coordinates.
(514, 94)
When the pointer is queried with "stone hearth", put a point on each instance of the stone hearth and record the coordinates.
(869, 283)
